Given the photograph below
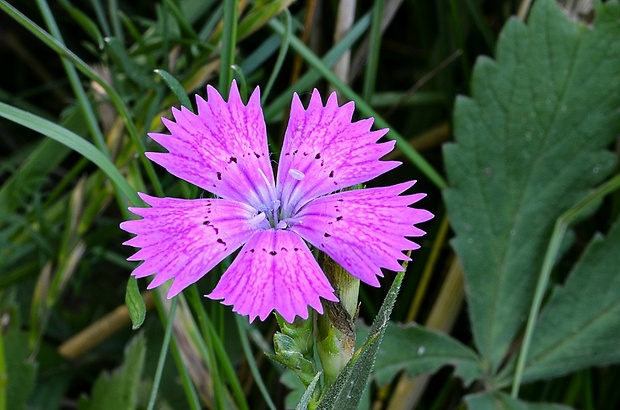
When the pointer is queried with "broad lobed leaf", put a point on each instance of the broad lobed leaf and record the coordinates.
(502, 401)
(420, 350)
(530, 142)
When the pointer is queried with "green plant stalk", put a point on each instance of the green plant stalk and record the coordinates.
(286, 40)
(186, 380)
(114, 18)
(370, 75)
(162, 355)
(212, 339)
(315, 62)
(252, 363)
(229, 44)
(336, 326)
(85, 69)
(84, 103)
(563, 222)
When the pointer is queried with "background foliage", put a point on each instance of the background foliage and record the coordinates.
(513, 301)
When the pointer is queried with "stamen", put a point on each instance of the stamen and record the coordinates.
(257, 219)
(297, 174)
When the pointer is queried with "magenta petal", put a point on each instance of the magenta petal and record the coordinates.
(223, 149)
(184, 239)
(274, 271)
(323, 151)
(363, 230)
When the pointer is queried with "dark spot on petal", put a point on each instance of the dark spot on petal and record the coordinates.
(327, 235)
(331, 174)
(219, 176)
(273, 253)
(206, 222)
(322, 162)
(305, 154)
(220, 240)
(330, 223)
(317, 156)
(232, 159)
(339, 218)
(252, 250)
(264, 250)
(257, 155)
(216, 230)
(283, 249)
(287, 153)
(340, 199)
(295, 152)
(295, 249)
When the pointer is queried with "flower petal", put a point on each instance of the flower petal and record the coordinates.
(223, 149)
(363, 230)
(184, 239)
(274, 271)
(330, 151)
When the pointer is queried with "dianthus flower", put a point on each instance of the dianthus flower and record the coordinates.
(223, 149)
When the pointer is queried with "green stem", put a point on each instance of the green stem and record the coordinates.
(373, 55)
(162, 355)
(229, 44)
(78, 90)
(336, 326)
(564, 221)
(252, 363)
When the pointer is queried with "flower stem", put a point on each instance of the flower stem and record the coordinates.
(336, 327)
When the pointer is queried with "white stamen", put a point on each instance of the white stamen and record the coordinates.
(257, 219)
(297, 174)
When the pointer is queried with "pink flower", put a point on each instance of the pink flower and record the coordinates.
(224, 150)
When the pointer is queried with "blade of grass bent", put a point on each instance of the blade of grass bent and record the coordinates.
(73, 141)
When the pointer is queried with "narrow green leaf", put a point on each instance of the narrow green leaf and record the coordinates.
(84, 21)
(580, 326)
(307, 396)
(419, 350)
(135, 303)
(502, 401)
(119, 390)
(530, 143)
(176, 87)
(346, 392)
(73, 141)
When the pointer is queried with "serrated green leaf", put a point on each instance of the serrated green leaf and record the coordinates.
(419, 350)
(346, 392)
(502, 401)
(119, 390)
(530, 143)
